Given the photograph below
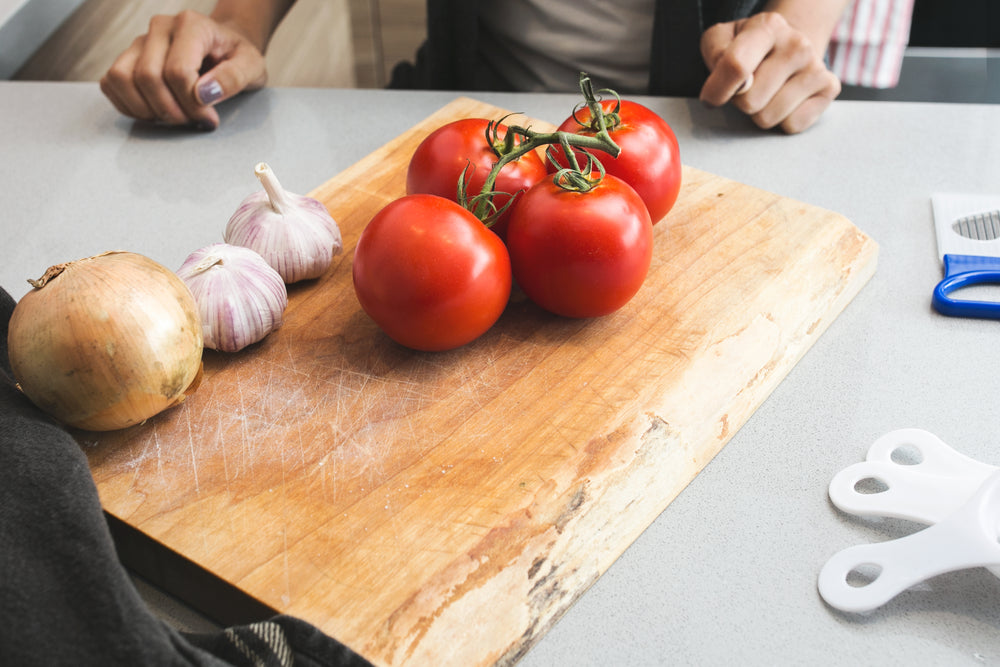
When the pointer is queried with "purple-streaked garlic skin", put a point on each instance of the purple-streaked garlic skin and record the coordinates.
(240, 297)
(294, 233)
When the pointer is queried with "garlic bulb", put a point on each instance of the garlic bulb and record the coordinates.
(106, 342)
(294, 233)
(240, 297)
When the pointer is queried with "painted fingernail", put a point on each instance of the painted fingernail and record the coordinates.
(209, 91)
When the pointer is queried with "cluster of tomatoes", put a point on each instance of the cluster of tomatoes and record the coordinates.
(434, 269)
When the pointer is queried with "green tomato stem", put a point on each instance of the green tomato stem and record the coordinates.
(510, 149)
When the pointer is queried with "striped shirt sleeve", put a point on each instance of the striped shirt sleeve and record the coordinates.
(866, 48)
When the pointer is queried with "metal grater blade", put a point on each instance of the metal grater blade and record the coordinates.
(980, 227)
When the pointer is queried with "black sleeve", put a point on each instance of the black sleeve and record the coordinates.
(65, 599)
(447, 59)
(676, 67)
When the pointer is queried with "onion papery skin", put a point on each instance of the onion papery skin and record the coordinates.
(240, 297)
(106, 343)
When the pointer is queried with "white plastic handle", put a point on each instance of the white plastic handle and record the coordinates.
(970, 537)
(936, 457)
(926, 491)
(905, 494)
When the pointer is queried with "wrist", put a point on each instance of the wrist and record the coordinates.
(254, 19)
(816, 20)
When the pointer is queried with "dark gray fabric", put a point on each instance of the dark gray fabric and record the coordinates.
(676, 67)
(65, 599)
(447, 60)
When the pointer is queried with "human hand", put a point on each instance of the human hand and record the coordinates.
(769, 70)
(183, 66)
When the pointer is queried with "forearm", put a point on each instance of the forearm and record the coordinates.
(256, 19)
(815, 18)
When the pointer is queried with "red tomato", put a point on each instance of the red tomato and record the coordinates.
(438, 162)
(580, 254)
(430, 274)
(650, 160)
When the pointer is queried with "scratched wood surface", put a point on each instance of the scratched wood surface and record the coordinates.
(446, 508)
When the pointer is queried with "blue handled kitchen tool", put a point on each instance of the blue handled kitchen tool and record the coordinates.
(968, 239)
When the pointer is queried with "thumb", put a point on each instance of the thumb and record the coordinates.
(243, 69)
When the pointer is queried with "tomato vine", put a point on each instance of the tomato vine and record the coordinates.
(519, 141)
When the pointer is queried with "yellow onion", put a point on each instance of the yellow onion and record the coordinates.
(106, 342)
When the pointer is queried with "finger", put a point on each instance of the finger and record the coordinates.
(148, 73)
(118, 84)
(791, 55)
(806, 115)
(719, 86)
(754, 39)
(240, 67)
(112, 95)
(193, 40)
(746, 86)
(800, 101)
(236, 66)
(715, 41)
(243, 69)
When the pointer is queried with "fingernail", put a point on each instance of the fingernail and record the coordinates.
(209, 91)
(204, 126)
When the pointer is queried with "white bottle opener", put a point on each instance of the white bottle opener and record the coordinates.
(959, 495)
(925, 480)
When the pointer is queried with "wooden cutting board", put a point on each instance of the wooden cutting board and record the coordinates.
(446, 508)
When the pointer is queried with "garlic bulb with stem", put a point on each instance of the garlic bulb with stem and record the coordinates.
(240, 297)
(106, 342)
(294, 233)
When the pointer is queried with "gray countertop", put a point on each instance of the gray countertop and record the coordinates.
(727, 574)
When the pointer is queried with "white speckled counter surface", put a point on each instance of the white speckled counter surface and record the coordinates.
(727, 574)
